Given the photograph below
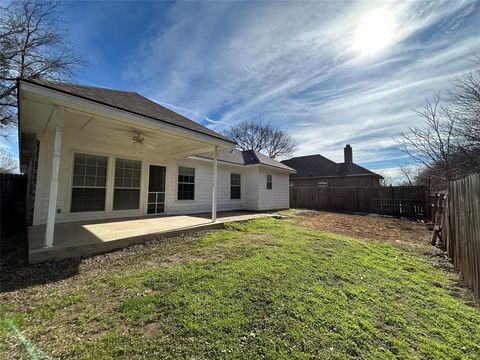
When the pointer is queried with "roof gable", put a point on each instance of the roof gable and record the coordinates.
(319, 166)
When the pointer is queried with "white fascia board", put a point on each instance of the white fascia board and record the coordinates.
(75, 102)
(194, 157)
(272, 167)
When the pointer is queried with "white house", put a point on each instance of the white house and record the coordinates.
(94, 154)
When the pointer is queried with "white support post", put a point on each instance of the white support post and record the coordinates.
(214, 186)
(52, 199)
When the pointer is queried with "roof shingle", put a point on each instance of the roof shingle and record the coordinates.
(319, 166)
(248, 157)
(128, 101)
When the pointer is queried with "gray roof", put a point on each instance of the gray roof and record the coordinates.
(319, 166)
(128, 101)
(247, 157)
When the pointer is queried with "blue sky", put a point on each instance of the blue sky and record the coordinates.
(330, 73)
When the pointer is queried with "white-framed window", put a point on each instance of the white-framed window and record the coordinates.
(235, 186)
(186, 183)
(126, 190)
(322, 184)
(269, 182)
(89, 183)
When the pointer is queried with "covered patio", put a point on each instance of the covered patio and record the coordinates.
(77, 239)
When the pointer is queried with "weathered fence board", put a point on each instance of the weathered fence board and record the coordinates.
(461, 228)
(407, 201)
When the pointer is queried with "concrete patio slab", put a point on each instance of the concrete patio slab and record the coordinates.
(79, 239)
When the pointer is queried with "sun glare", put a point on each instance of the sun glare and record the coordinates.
(374, 32)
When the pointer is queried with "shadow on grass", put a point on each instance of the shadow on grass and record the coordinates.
(15, 277)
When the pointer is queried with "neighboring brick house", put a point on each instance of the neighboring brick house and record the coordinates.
(317, 170)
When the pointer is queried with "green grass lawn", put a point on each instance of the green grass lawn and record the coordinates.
(264, 289)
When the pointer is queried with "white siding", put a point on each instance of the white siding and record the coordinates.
(278, 196)
(254, 195)
(251, 184)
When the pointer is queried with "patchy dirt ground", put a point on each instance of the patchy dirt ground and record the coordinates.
(368, 227)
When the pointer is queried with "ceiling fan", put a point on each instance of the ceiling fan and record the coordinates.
(138, 137)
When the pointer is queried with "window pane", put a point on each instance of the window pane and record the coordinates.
(151, 209)
(161, 197)
(86, 175)
(92, 160)
(186, 191)
(126, 199)
(88, 199)
(91, 170)
(235, 186)
(80, 159)
(101, 171)
(186, 171)
(89, 181)
(78, 180)
(101, 181)
(79, 169)
(235, 192)
(235, 179)
(126, 195)
(125, 175)
(102, 161)
(160, 208)
(186, 183)
(269, 182)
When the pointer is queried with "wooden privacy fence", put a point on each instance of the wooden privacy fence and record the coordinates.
(13, 189)
(461, 228)
(406, 201)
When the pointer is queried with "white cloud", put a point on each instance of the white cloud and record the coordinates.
(294, 64)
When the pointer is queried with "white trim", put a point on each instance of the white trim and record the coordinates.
(53, 194)
(199, 158)
(214, 184)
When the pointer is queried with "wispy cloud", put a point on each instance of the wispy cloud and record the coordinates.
(294, 64)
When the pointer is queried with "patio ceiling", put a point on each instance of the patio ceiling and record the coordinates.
(100, 124)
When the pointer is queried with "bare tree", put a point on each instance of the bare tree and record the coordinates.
(32, 45)
(433, 143)
(262, 137)
(409, 173)
(448, 143)
(8, 164)
(386, 180)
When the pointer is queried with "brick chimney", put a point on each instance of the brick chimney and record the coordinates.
(347, 153)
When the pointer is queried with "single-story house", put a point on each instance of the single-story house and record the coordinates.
(317, 170)
(94, 153)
